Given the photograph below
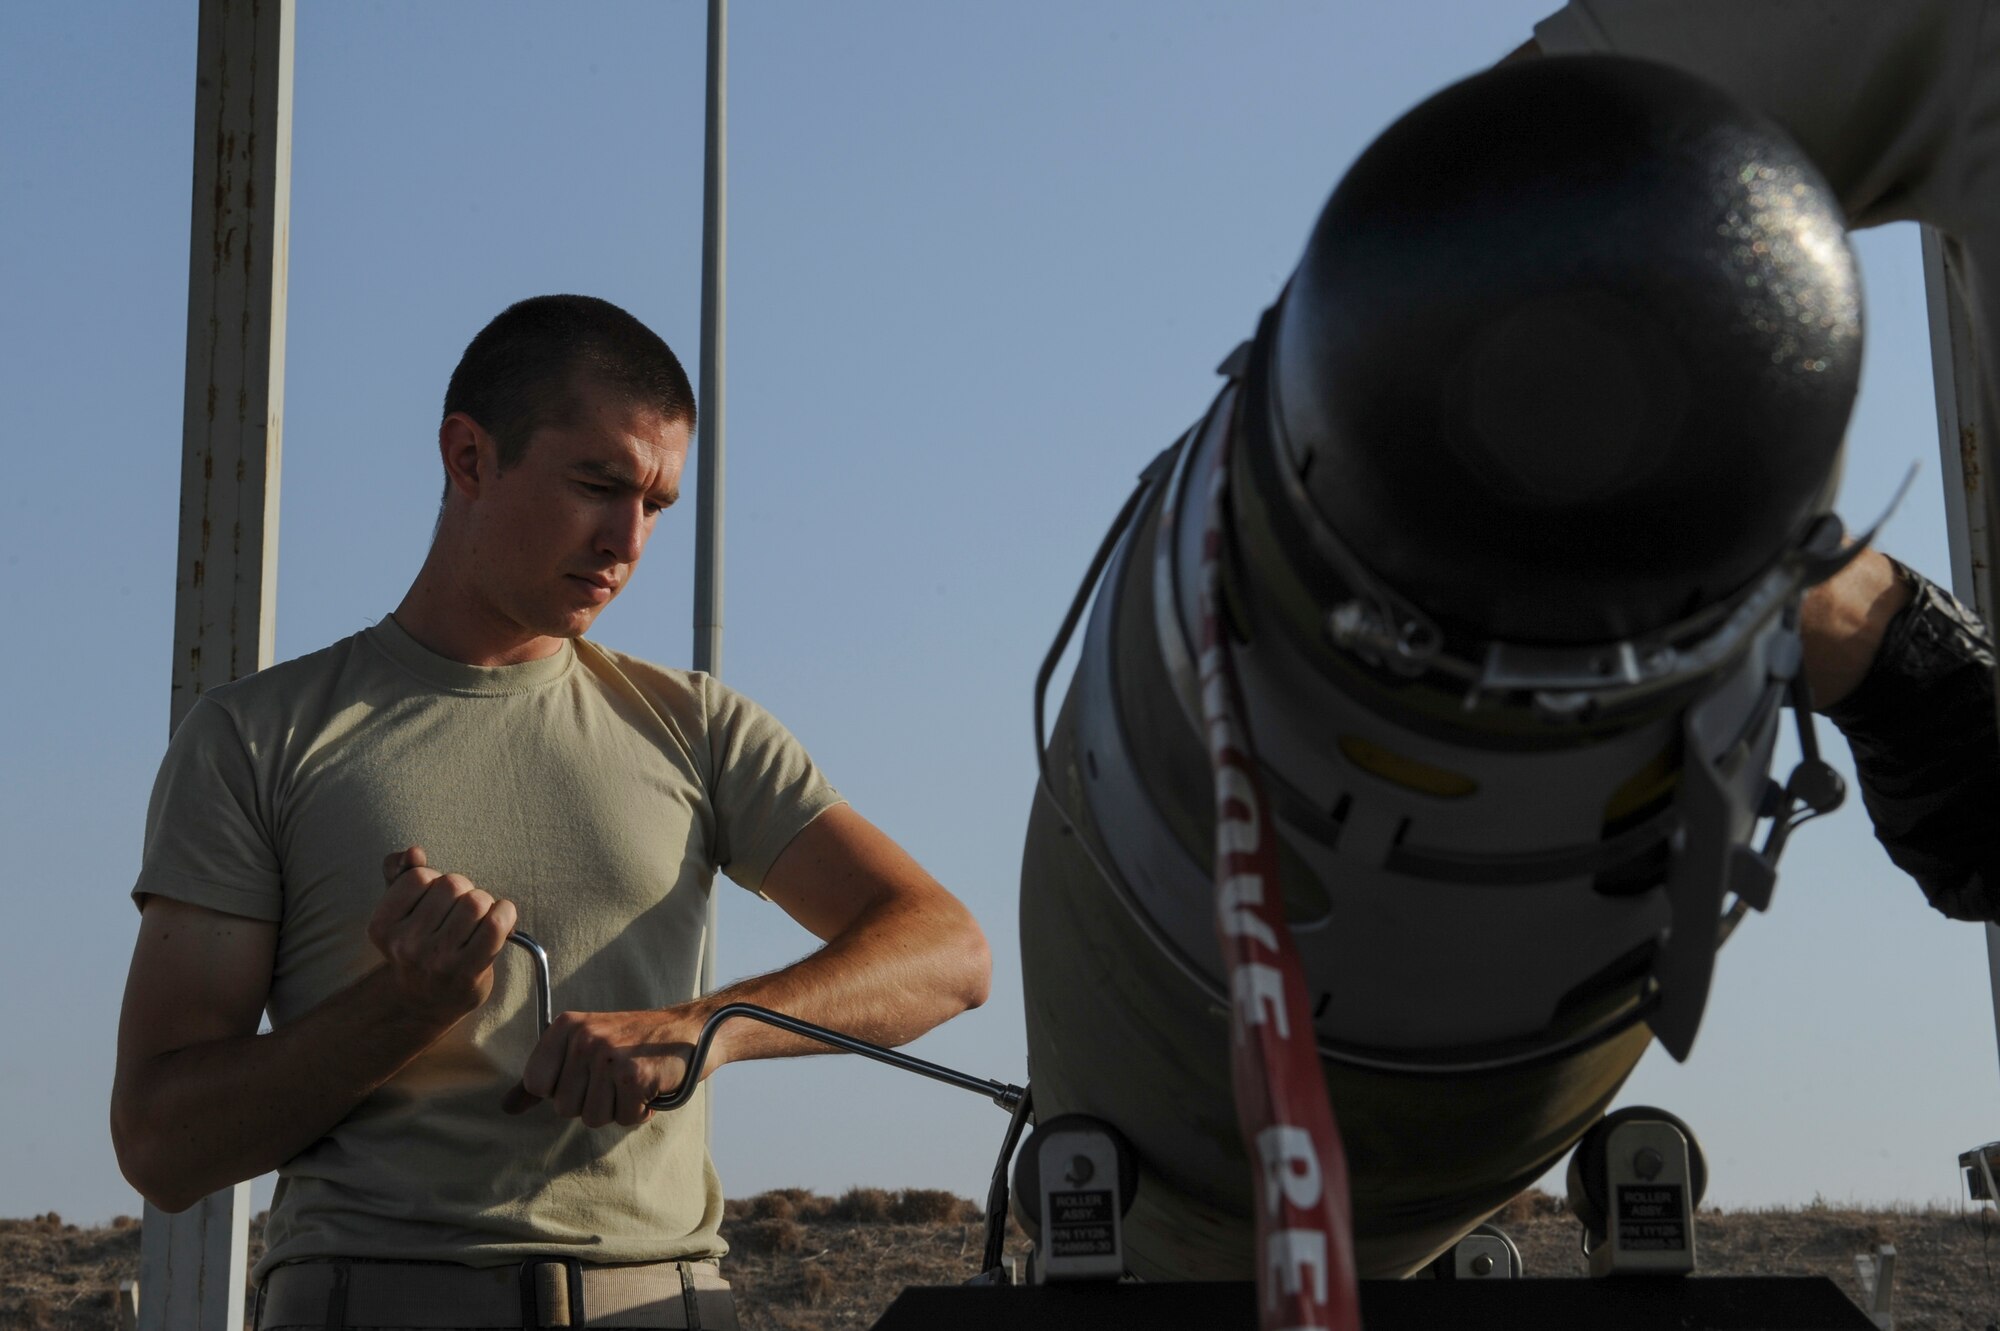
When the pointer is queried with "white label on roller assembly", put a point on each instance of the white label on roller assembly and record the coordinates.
(1080, 1207)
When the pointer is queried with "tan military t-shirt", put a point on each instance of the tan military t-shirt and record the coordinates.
(597, 792)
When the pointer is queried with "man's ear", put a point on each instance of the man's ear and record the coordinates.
(469, 454)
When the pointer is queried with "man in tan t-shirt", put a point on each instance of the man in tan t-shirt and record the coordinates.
(347, 840)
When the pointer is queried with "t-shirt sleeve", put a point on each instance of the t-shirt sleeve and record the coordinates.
(1895, 100)
(764, 786)
(208, 841)
(1876, 91)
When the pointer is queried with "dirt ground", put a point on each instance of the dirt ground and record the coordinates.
(802, 1262)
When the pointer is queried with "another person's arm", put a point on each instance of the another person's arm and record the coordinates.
(900, 955)
(1920, 721)
(201, 1100)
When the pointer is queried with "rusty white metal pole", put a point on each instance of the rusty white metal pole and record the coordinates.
(1955, 376)
(714, 321)
(1965, 460)
(192, 1265)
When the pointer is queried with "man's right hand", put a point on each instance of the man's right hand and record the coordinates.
(439, 934)
(201, 1100)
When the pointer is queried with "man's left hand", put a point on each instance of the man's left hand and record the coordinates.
(604, 1067)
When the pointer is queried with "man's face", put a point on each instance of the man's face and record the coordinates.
(558, 534)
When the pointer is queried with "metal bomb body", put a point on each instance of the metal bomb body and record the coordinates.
(1442, 1019)
(1516, 741)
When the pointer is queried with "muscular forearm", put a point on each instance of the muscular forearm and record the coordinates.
(898, 968)
(900, 955)
(901, 969)
(189, 1121)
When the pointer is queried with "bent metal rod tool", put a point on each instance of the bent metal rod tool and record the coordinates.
(1003, 1094)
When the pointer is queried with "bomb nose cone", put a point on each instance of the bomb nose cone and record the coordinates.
(1571, 351)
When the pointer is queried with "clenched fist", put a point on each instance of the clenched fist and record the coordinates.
(439, 935)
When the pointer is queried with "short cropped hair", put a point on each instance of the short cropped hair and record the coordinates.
(524, 369)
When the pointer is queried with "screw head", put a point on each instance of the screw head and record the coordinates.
(1482, 1265)
(1647, 1163)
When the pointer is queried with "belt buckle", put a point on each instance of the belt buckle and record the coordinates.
(543, 1299)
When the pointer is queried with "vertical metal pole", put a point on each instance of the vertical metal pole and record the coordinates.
(1955, 374)
(714, 310)
(1955, 377)
(192, 1265)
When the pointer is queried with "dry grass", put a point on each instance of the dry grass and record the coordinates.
(60, 1277)
(861, 1250)
(803, 1262)
(866, 1206)
(930, 1206)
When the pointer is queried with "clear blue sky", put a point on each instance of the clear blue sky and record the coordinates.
(984, 260)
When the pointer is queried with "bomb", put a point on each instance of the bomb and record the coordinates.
(1526, 470)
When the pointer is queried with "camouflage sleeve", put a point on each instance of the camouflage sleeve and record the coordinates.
(1927, 750)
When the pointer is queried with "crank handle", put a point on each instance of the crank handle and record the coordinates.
(1003, 1094)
